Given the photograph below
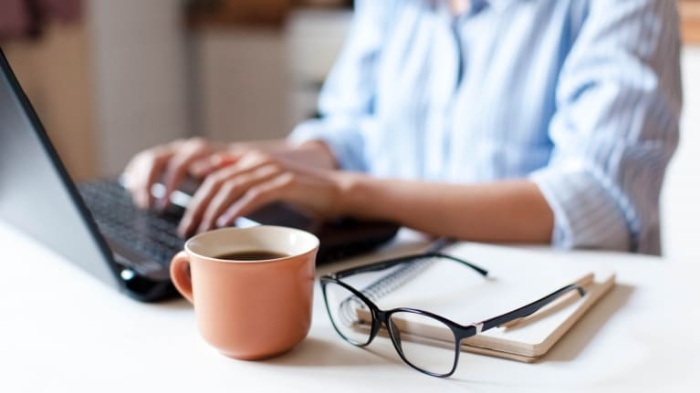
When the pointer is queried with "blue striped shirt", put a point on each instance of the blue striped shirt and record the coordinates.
(582, 97)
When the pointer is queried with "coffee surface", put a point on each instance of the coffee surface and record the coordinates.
(252, 255)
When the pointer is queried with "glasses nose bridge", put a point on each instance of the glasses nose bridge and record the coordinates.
(382, 317)
(378, 318)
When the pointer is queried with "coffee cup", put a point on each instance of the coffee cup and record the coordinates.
(252, 288)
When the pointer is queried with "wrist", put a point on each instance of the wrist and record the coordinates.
(352, 194)
(314, 153)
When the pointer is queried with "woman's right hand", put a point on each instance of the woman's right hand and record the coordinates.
(198, 157)
(169, 163)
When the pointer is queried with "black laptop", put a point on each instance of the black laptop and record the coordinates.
(95, 225)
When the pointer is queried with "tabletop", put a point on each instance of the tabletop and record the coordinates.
(62, 330)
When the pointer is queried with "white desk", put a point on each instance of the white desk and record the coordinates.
(61, 330)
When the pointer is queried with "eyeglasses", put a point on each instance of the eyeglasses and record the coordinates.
(358, 320)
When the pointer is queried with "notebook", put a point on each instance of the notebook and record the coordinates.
(515, 278)
(95, 225)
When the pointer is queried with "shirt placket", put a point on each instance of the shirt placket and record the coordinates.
(447, 72)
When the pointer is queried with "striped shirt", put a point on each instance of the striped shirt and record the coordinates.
(582, 97)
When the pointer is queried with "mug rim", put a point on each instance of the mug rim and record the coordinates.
(262, 227)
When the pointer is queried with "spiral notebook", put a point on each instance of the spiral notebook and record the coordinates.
(516, 277)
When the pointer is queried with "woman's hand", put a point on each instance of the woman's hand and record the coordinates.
(247, 181)
(169, 163)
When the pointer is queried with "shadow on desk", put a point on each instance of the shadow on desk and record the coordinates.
(314, 352)
(583, 332)
(175, 304)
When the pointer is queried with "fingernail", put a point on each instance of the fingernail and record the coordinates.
(226, 218)
(203, 228)
(222, 221)
(162, 203)
(141, 200)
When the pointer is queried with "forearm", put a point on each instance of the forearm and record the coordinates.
(504, 211)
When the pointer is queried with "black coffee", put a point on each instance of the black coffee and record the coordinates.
(253, 255)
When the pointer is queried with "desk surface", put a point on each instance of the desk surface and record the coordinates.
(61, 330)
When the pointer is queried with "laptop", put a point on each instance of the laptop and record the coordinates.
(96, 226)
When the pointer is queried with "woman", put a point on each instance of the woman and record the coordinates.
(545, 121)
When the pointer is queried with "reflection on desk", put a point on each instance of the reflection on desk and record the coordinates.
(64, 331)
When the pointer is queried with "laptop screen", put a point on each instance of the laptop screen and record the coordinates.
(36, 193)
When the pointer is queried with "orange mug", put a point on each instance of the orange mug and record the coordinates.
(252, 288)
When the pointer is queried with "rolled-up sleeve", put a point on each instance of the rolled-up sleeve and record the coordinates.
(346, 100)
(615, 128)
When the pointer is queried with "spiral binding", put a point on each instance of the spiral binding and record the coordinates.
(396, 279)
(390, 282)
(404, 274)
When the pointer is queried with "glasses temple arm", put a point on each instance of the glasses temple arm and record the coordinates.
(531, 308)
(382, 265)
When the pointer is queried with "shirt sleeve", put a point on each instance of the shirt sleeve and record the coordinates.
(346, 100)
(616, 127)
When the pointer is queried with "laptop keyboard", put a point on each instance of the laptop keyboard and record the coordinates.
(151, 235)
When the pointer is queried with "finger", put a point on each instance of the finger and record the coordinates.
(277, 189)
(212, 184)
(233, 188)
(177, 167)
(201, 199)
(141, 175)
(201, 168)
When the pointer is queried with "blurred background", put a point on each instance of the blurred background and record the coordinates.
(109, 78)
(112, 77)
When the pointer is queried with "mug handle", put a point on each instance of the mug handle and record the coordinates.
(180, 274)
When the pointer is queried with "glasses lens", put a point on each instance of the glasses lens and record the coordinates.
(350, 315)
(437, 355)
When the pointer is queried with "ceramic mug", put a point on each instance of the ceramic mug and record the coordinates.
(252, 288)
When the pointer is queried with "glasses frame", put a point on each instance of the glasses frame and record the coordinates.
(460, 331)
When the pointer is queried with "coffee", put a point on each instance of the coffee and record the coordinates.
(252, 255)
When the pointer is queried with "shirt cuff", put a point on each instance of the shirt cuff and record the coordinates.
(343, 139)
(585, 213)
